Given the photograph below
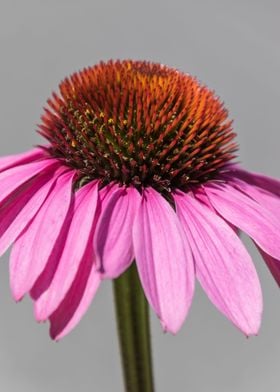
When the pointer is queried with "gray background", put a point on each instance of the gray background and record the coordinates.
(233, 46)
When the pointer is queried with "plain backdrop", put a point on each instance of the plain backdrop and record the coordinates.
(233, 47)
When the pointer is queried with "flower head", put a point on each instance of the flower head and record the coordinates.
(138, 124)
(138, 166)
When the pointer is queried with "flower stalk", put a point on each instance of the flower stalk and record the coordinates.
(132, 314)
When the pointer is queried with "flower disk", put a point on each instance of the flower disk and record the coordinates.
(138, 123)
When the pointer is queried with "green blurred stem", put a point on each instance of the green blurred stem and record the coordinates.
(132, 314)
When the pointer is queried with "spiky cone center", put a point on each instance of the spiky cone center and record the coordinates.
(139, 123)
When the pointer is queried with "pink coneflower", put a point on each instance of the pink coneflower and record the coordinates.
(138, 166)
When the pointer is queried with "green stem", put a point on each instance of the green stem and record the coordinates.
(134, 332)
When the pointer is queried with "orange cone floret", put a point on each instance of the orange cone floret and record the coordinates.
(139, 123)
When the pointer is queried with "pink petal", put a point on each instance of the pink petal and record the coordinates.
(273, 265)
(248, 215)
(20, 159)
(78, 299)
(12, 179)
(32, 249)
(223, 265)
(113, 235)
(20, 211)
(266, 199)
(264, 182)
(203, 198)
(164, 260)
(79, 234)
(272, 202)
(45, 279)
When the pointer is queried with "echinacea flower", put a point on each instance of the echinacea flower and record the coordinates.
(138, 168)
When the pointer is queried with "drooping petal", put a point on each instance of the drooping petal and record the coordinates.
(272, 202)
(264, 182)
(266, 199)
(45, 279)
(78, 299)
(203, 198)
(12, 179)
(273, 265)
(248, 215)
(79, 234)
(33, 247)
(15, 216)
(223, 265)
(164, 260)
(21, 159)
(113, 236)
